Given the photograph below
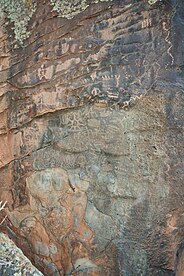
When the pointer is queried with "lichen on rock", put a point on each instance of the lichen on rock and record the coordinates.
(69, 9)
(151, 2)
(19, 14)
(13, 261)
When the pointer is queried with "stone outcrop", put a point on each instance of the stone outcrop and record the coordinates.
(13, 261)
(91, 139)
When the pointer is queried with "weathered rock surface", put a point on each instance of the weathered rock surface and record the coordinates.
(12, 260)
(91, 139)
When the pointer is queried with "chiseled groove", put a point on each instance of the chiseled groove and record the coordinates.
(74, 78)
(3, 133)
(2, 96)
(98, 13)
(120, 12)
(64, 55)
(138, 43)
(137, 31)
(54, 58)
(46, 44)
(22, 157)
(128, 9)
(26, 123)
(74, 55)
(77, 77)
(41, 36)
(135, 23)
(96, 70)
(4, 70)
(30, 56)
(126, 29)
(85, 74)
(27, 86)
(30, 44)
(37, 116)
(52, 32)
(127, 20)
(33, 65)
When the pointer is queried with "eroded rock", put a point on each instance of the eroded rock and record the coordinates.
(13, 261)
(91, 140)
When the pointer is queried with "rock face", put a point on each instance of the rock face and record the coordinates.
(91, 139)
(12, 261)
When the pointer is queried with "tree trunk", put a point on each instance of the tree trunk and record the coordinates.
(91, 135)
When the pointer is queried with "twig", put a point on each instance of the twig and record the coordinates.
(2, 206)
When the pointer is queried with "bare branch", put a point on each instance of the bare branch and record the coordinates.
(2, 206)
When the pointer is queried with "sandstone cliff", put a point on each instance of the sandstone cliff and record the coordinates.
(91, 135)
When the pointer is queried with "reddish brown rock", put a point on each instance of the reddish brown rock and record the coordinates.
(91, 139)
